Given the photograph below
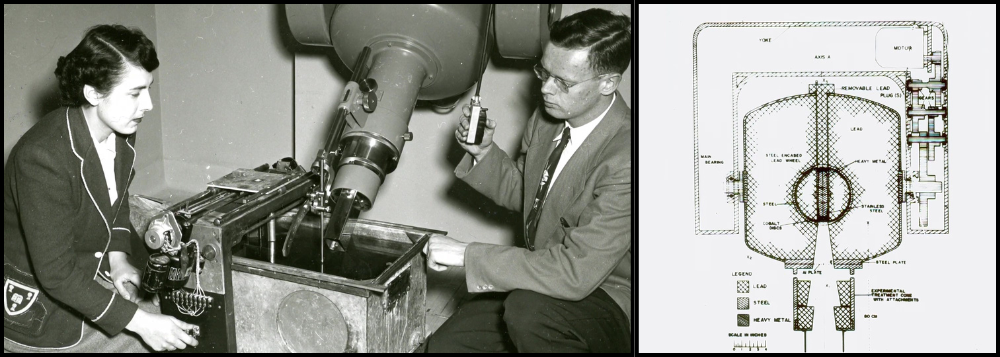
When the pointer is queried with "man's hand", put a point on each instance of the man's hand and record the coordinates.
(125, 277)
(477, 151)
(443, 252)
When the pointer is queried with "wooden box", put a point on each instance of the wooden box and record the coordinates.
(285, 309)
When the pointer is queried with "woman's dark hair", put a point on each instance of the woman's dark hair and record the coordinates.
(609, 34)
(100, 60)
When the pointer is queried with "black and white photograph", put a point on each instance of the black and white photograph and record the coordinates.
(319, 178)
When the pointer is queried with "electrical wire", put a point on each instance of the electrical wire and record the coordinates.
(486, 47)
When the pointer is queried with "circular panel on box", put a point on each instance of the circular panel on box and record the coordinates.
(309, 322)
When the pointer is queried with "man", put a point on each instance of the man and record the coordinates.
(570, 289)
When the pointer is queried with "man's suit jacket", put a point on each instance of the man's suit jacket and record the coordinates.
(59, 225)
(593, 194)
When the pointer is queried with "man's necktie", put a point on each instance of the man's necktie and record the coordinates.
(531, 225)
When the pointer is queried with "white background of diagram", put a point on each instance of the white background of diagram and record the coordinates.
(686, 297)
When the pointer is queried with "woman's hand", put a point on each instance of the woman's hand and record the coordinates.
(125, 277)
(161, 332)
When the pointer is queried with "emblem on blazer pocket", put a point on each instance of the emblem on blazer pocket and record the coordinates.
(25, 309)
(18, 298)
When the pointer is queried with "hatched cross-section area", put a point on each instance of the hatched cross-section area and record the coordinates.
(844, 314)
(743, 287)
(743, 320)
(802, 313)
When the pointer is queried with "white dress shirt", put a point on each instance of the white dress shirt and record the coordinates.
(107, 152)
(576, 137)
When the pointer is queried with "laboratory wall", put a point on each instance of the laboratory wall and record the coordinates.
(226, 93)
(34, 37)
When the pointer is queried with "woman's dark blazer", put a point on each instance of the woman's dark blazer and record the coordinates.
(59, 226)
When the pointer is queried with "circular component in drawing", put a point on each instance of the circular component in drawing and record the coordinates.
(823, 194)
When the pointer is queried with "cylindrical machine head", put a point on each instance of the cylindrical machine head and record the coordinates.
(522, 30)
(447, 37)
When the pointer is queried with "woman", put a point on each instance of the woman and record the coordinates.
(68, 286)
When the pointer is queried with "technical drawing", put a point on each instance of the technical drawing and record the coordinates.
(743, 303)
(823, 181)
(821, 143)
(894, 64)
(844, 314)
(802, 318)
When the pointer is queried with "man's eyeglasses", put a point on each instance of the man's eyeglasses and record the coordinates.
(563, 84)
